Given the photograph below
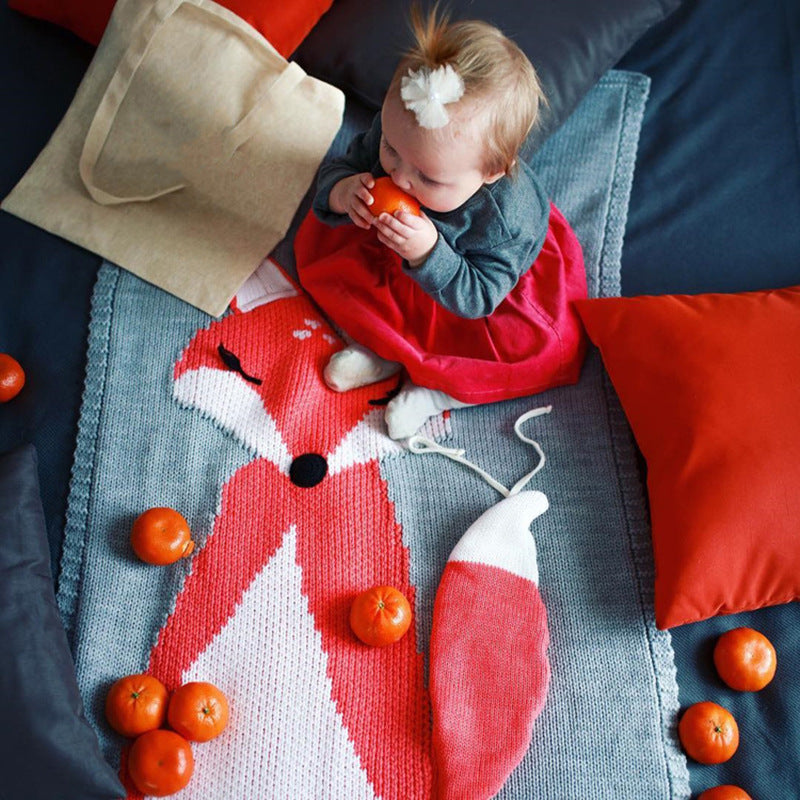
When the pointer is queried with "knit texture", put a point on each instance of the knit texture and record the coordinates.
(298, 500)
(489, 672)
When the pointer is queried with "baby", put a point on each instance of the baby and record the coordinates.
(473, 296)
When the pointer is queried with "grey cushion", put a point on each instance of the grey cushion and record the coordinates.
(572, 43)
(47, 748)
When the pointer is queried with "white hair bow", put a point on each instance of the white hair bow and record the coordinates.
(426, 92)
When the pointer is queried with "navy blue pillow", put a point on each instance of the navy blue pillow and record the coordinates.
(47, 748)
(572, 43)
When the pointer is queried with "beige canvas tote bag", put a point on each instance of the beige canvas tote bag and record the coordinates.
(186, 152)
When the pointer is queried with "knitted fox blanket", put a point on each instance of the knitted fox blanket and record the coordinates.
(298, 500)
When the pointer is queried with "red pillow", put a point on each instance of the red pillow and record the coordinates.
(284, 24)
(711, 387)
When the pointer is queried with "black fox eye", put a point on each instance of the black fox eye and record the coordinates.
(231, 361)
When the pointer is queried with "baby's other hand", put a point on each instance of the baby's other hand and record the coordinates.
(351, 196)
(412, 237)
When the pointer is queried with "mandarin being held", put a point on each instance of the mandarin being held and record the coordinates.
(389, 197)
(745, 659)
(161, 536)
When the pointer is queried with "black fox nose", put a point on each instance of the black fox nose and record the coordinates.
(308, 470)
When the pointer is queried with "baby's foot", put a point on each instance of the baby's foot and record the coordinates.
(356, 366)
(413, 406)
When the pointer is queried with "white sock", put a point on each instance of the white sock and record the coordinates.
(413, 406)
(356, 366)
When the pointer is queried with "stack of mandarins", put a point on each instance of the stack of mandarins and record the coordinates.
(160, 761)
(746, 661)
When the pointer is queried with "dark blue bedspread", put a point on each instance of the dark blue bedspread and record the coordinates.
(716, 199)
(715, 207)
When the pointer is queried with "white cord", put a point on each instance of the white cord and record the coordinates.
(421, 446)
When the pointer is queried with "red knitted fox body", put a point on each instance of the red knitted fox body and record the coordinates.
(300, 530)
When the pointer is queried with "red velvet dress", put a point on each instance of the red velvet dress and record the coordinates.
(532, 341)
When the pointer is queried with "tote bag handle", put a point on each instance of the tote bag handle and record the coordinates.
(121, 80)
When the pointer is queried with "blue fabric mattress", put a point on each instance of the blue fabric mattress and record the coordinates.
(715, 206)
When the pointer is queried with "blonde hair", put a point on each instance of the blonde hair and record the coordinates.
(496, 74)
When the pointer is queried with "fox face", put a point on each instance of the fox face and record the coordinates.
(257, 373)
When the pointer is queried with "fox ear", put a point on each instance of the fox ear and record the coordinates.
(269, 282)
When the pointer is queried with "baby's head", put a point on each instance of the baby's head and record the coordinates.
(461, 103)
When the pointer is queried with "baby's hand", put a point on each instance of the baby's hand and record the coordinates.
(412, 237)
(351, 196)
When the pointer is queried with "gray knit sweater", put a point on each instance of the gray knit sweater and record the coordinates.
(484, 245)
